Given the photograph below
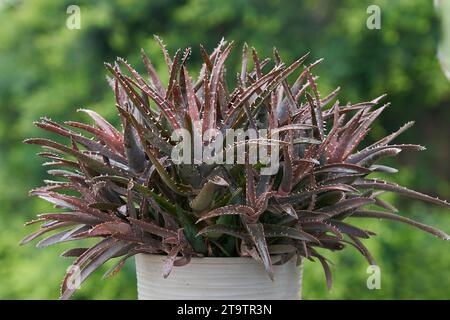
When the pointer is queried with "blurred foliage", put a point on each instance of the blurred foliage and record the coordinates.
(47, 69)
(443, 8)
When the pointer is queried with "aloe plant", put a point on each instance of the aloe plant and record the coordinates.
(123, 188)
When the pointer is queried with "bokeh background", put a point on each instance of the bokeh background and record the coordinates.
(47, 69)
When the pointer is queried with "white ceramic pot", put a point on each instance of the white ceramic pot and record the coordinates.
(217, 279)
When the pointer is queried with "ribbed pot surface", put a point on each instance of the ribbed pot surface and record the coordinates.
(217, 278)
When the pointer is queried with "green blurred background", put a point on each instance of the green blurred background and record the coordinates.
(47, 69)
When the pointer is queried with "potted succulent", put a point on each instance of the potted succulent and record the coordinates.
(207, 219)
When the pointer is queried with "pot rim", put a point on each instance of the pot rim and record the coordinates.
(212, 260)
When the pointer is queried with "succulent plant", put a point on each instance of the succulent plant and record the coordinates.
(123, 187)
